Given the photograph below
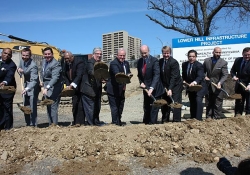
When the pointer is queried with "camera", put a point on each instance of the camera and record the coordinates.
(225, 166)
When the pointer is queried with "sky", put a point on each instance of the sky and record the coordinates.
(78, 25)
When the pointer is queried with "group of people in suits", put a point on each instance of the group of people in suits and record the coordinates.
(161, 79)
(88, 88)
(49, 80)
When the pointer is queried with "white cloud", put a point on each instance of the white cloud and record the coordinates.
(62, 17)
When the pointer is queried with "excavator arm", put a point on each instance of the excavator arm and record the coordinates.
(36, 47)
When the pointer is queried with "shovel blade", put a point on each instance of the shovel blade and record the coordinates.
(25, 109)
(159, 103)
(46, 102)
(175, 105)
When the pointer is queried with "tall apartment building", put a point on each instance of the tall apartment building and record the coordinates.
(120, 39)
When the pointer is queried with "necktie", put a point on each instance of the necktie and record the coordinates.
(243, 65)
(144, 67)
(46, 64)
(165, 65)
(70, 72)
(190, 69)
(124, 68)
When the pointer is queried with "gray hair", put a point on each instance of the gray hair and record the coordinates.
(121, 49)
(97, 49)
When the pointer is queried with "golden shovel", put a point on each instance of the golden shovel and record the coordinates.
(67, 92)
(230, 97)
(45, 101)
(7, 89)
(24, 109)
(101, 71)
(173, 104)
(244, 86)
(194, 88)
(122, 78)
(157, 103)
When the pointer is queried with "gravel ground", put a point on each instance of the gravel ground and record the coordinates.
(132, 114)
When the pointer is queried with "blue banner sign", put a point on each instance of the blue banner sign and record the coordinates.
(211, 40)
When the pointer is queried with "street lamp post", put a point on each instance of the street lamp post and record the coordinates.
(160, 41)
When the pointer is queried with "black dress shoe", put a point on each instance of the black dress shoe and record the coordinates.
(99, 123)
(87, 124)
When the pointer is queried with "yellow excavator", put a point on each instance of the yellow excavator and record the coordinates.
(17, 44)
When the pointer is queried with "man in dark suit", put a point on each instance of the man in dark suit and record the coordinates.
(73, 77)
(149, 78)
(7, 78)
(52, 83)
(116, 91)
(29, 70)
(92, 90)
(215, 69)
(172, 81)
(193, 74)
(241, 72)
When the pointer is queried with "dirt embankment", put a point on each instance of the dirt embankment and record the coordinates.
(104, 150)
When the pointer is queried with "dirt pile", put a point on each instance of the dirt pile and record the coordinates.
(108, 149)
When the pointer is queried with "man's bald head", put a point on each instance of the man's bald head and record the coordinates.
(6, 54)
(217, 52)
(68, 57)
(144, 51)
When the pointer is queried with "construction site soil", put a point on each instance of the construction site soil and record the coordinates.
(189, 147)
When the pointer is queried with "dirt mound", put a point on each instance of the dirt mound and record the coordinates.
(104, 150)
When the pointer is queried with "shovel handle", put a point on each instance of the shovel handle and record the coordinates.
(169, 96)
(150, 95)
(186, 83)
(242, 85)
(214, 84)
(21, 81)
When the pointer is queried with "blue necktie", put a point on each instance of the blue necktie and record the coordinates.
(46, 64)
(190, 68)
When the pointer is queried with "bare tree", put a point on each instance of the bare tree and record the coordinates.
(200, 17)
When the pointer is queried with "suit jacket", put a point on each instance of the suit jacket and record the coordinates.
(77, 72)
(218, 74)
(243, 75)
(152, 75)
(31, 78)
(90, 86)
(52, 75)
(115, 67)
(170, 74)
(197, 74)
(7, 74)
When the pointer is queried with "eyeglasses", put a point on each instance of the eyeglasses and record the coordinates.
(98, 53)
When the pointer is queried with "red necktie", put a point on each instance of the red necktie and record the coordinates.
(144, 67)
